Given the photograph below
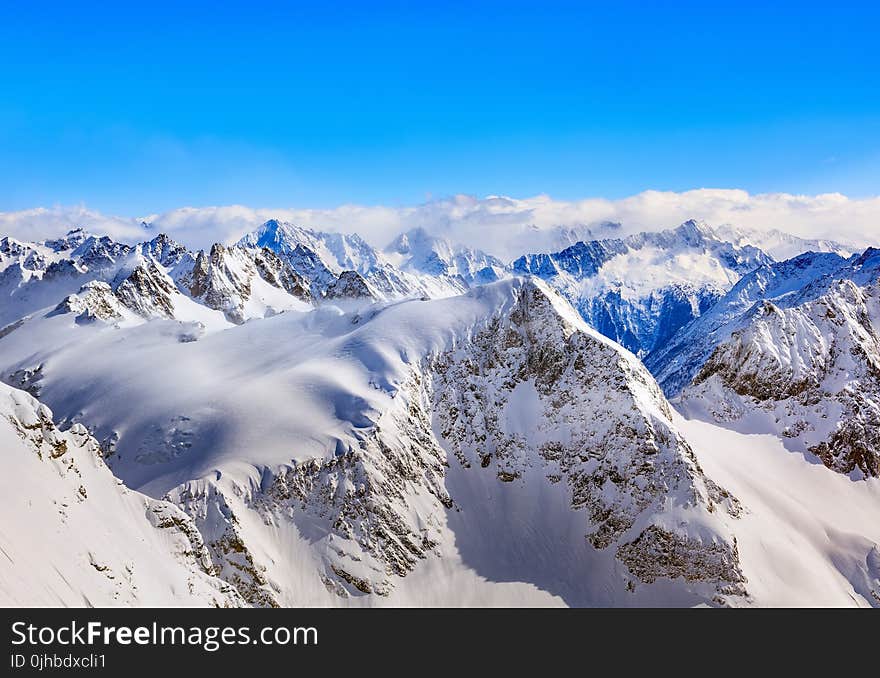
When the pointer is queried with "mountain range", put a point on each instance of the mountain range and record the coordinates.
(684, 417)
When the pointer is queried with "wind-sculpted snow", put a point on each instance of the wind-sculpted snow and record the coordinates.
(74, 535)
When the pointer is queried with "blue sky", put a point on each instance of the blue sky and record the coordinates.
(142, 109)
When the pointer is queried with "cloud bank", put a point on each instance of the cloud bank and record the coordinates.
(501, 225)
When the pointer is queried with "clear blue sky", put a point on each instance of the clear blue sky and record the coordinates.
(136, 109)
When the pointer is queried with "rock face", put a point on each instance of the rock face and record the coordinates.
(600, 425)
(280, 275)
(218, 283)
(99, 254)
(148, 291)
(349, 285)
(805, 364)
(237, 281)
(642, 289)
(27, 255)
(812, 369)
(80, 536)
(164, 250)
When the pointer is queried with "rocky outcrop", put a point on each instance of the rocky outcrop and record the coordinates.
(147, 291)
(810, 371)
(349, 285)
(279, 274)
(164, 250)
(680, 359)
(94, 301)
(224, 279)
(602, 427)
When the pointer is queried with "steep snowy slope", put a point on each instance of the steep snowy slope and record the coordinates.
(806, 537)
(806, 368)
(641, 289)
(326, 457)
(72, 534)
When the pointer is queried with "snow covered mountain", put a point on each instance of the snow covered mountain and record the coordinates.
(306, 420)
(421, 253)
(677, 362)
(159, 278)
(381, 438)
(322, 257)
(642, 289)
(804, 364)
(781, 245)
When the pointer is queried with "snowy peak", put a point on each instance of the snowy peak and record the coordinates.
(781, 245)
(98, 253)
(349, 285)
(337, 251)
(419, 252)
(71, 240)
(147, 291)
(242, 283)
(676, 362)
(164, 250)
(791, 350)
(27, 256)
(320, 257)
(94, 301)
(808, 371)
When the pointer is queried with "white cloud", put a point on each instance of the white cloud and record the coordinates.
(502, 225)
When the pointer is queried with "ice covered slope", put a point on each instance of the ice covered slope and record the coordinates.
(805, 366)
(487, 446)
(642, 289)
(72, 534)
